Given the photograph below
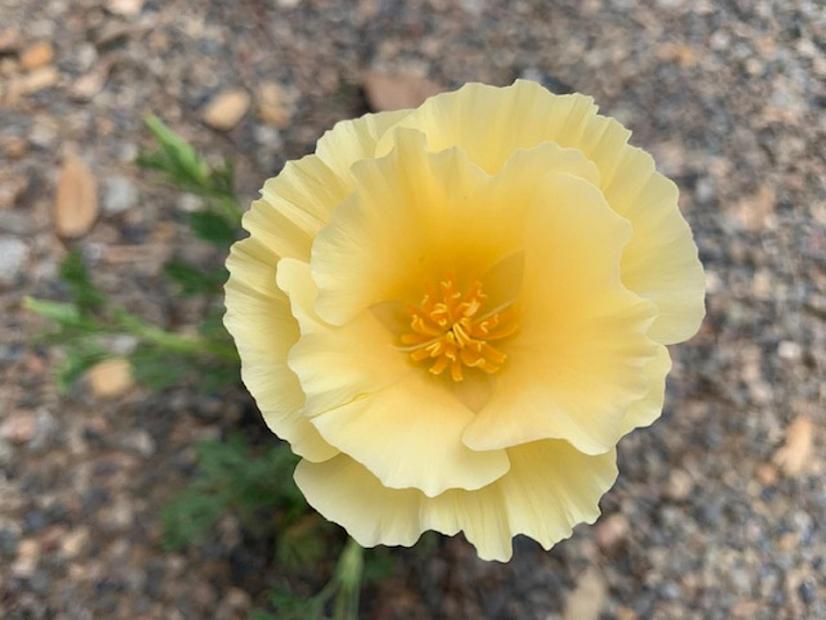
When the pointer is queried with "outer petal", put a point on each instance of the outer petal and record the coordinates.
(574, 368)
(550, 488)
(490, 123)
(353, 140)
(295, 204)
(366, 400)
(259, 319)
(661, 261)
(647, 409)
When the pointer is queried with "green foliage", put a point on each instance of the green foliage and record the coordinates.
(79, 359)
(156, 367)
(289, 606)
(340, 595)
(175, 158)
(302, 542)
(212, 227)
(162, 358)
(192, 279)
(74, 274)
(62, 314)
(233, 478)
(258, 488)
(379, 564)
(182, 167)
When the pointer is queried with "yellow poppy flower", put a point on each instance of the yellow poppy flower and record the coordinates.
(454, 313)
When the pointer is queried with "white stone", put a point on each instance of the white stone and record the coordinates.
(13, 256)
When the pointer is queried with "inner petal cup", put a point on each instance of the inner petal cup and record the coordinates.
(366, 399)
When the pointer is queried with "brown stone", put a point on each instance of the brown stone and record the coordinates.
(19, 427)
(396, 91)
(680, 484)
(127, 8)
(794, 456)
(588, 598)
(76, 200)
(271, 106)
(111, 378)
(37, 55)
(226, 109)
(611, 531)
(9, 40)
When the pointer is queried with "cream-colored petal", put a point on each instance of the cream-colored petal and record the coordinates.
(416, 216)
(574, 368)
(647, 409)
(353, 140)
(409, 222)
(258, 318)
(550, 488)
(661, 261)
(283, 223)
(490, 123)
(296, 203)
(368, 401)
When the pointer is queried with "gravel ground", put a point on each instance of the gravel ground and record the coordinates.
(720, 506)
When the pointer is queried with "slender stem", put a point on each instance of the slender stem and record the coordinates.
(171, 340)
(349, 576)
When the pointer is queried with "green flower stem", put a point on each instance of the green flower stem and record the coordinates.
(349, 577)
(192, 345)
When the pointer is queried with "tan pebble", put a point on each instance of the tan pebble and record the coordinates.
(683, 55)
(226, 109)
(756, 211)
(37, 55)
(9, 40)
(761, 284)
(588, 598)
(76, 200)
(39, 79)
(127, 8)
(626, 613)
(19, 427)
(794, 456)
(110, 378)
(680, 484)
(611, 531)
(74, 542)
(28, 556)
(271, 105)
(766, 474)
(395, 91)
(788, 541)
(87, 86)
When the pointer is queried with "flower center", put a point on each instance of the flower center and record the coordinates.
(450, 329)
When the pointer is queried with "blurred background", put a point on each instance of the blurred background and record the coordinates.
(136, 477)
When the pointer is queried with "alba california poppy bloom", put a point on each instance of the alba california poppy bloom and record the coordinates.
(454, 313)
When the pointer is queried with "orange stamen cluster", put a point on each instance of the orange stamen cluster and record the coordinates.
(449, 329)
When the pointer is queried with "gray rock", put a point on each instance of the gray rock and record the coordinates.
(14, 254)
(119, 195)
